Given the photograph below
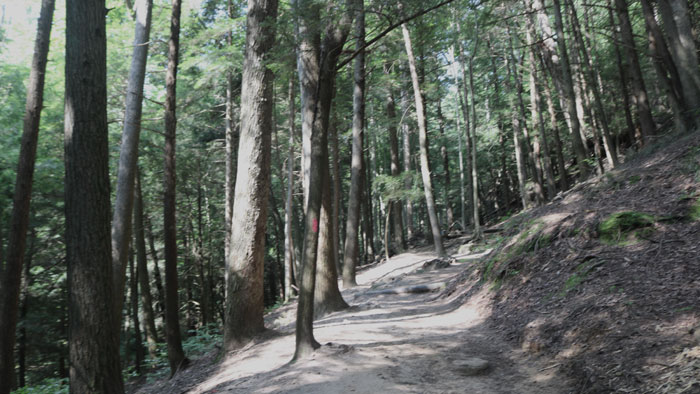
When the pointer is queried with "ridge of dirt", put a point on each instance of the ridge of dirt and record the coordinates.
(615, 317)
(385, 343)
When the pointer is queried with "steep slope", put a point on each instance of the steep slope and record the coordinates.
(606, 279)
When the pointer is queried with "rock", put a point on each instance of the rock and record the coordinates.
(465, 249)
(438, 263)
(471, 366)
(695, 332)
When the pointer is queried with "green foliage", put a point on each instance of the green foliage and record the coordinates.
(581, 273)
(48, 386)
(618, 227)
(404, 187)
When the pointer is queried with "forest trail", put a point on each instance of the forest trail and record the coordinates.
(385, 343)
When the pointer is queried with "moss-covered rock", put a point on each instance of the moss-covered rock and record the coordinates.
(619, 226)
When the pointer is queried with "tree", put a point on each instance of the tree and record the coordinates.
(128, 154)
(12, 277)
(176, 356)
(93, 332)
(423, 142)
(352, 248)
(244, 264)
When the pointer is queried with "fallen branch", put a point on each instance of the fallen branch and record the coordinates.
(410, 289)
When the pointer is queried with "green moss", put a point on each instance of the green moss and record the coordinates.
(694, 213)
(634, 179)
(582, 272)
(618, 227)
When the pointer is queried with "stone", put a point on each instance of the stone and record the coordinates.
(465, 249)
(471, 366)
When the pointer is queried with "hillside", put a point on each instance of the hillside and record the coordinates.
(594, 292)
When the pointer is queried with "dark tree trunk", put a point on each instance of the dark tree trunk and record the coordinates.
(93, 337)
(12, 271)
(639, 92)
(176, 356)
(142, 270)
(129, 152)
(24, 308)
(449, 215)
(138, 344)
(231, 147)
(244, 264)
(156, 270)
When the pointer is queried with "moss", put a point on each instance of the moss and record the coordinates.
(618, 227)
(582, 272)
(634, 179)
(694, 212)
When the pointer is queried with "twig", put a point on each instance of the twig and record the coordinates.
(550, 367)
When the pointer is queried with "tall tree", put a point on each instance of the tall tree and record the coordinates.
(423, 142)
(12, 270)
(176, 356)
(395, 206)
(316, 64)
(93, 331)
(289, 201)
(351, 254)
(639, 91)
(244, 264)
(129, 153)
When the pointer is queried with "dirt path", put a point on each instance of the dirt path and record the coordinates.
(386, 343)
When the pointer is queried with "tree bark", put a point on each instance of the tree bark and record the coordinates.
(351, 252)
(288, 206)
(639, 92)
(142, 269)
(134, 309)
(93, 338)
(244, 264)
(176, 356)
(231, 146)
(396, 219)
(423, 141)
(476, 234)
(406, 139)
(129, 153)
(622, 69)
(449, 214)
(12, 271)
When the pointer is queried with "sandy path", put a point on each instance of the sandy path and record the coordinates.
(389, 343)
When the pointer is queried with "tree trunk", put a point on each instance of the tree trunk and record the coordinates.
(666, 70)
(676, 20)
(156, 269)
(423, 140)
(337, 190)
(176, 356)
(397, 222)
(475, 177)
(517, 142)
(138, 351)
(449, 215)
(535, 106)
(288, 206)
(24, 308)
(639, 92)
(622, 69)
(351, 252)
(129, 153)
(316, 66)
(142, 269)
(406, 139)
(12, 271)
(93, 337)
(558, 146)
(244, 264)
(561, 73)
(231, 146)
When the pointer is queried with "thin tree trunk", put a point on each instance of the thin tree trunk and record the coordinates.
(351, 252)
(423, 140)
(397, 223)
(288, 207)
(564, 80)
(138, 351)
(12, 271)
(93, 332)
(156, 270)
(244, 264)
(449, 215)
(406, 138)
(639, 92)
(24, 308)
(558, 146)
(535, 106)
(176, 356)
(475, 176)
(517, 142)
(129, 153)
(337, 191)
(622, 69)
(142, 269)
(231, 147)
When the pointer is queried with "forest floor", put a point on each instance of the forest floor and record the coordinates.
(385, 343)
(597, 291)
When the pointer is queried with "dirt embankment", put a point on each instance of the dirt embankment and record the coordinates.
(606, 279)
